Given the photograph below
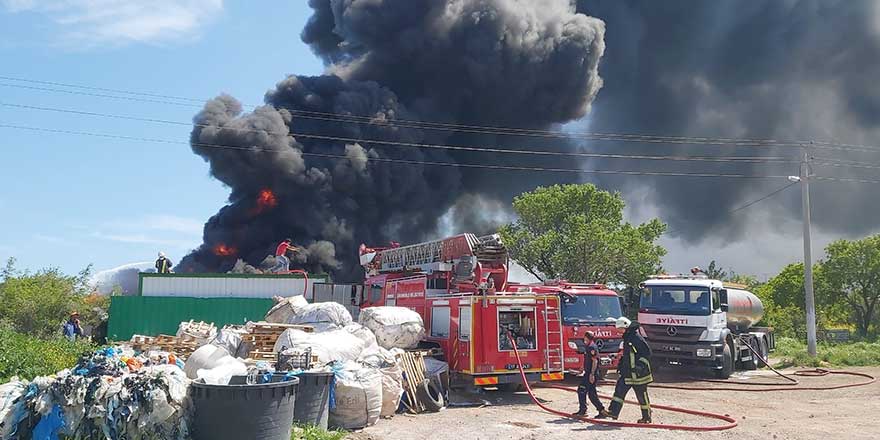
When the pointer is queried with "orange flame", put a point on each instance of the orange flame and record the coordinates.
(265, 200)
(224, 251)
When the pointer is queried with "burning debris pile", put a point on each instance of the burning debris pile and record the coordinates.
(329, 160)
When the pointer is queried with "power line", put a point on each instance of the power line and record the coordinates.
(747, 205)
(425, 125)
(402, 161)
(481, 149)
(428, 125)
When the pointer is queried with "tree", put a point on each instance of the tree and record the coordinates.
(38, 303)
(577, 232)
(784, 301)
(852, 269)
(715, 273)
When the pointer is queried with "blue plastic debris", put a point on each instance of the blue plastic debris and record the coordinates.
(49, 425)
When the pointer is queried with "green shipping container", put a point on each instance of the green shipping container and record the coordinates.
(155, 315)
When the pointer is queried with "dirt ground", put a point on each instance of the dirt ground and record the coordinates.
(849, 413)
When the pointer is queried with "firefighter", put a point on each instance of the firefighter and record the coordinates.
(590, 378)
(634, 369)
(163, 264)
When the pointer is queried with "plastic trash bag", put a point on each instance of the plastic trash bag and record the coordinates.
(358, 397)
(323, 316)
(336, 345)
(285, 308)
(394, 327)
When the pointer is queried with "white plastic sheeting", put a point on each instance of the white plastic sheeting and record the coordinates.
(322, 316)
(285, 308)
(358, 397)
(394, 327)
(365, 335)
(336, 345)
(213, 364)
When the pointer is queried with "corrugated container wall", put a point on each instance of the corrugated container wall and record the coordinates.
(225, 285)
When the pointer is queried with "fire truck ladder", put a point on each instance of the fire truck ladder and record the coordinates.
(553, 354)
(488, 248)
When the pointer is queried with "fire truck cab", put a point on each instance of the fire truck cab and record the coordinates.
(585, 307)
(459, 287)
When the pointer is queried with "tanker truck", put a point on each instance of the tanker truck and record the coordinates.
(691, 320)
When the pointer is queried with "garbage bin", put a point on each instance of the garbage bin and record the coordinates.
(312, 396)
(234, 412)
(313, 399)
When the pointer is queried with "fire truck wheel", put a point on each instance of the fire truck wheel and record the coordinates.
(430, 396)
(726, 363)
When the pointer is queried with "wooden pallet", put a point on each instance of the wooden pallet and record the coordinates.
(264, 335)
(414, 372)
(200, 329)
(182, 346)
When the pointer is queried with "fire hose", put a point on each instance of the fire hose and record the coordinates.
(731, 423)
(306, 276)
(793, 385)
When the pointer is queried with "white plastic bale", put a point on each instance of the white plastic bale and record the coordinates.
(285, 308)
(392, 389)
(394, 327)
(358, 397)
(336, 345)
(205, 357)
(201, 338)
(332, 315)
(365, 335)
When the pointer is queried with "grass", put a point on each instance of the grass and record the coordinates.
(309, 432)
(855, 354)
(28, 356)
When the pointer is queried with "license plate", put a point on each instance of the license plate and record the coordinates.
(605, 361)
(671, 348)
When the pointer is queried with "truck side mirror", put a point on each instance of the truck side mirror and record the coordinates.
(622, 304)
(722, 296)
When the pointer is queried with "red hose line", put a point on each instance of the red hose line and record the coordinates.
(305, 275)
(731, 423)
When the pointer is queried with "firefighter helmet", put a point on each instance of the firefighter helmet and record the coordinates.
(622, 322)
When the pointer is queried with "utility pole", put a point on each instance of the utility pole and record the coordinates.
(810, 300)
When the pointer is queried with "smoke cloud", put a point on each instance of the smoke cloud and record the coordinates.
(768, 69)
(520, 63)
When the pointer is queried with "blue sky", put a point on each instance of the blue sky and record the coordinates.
(70, 200)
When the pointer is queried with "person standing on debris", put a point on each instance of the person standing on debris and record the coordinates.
(282, 263)
(634, 369)
(163, 264)
(590, 378)
(71, 328)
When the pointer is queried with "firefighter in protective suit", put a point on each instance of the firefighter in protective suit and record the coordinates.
(634, 369)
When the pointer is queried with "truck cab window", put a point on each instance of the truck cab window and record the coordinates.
(521, 323)
(681, 300)
(716, 301)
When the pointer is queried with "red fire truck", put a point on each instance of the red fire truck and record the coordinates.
(585, 307)
(459, 287)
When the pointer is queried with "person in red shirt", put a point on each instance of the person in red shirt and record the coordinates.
(282, 263)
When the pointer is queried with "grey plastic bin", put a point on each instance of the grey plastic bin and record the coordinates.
(312, 396)
(235, 412)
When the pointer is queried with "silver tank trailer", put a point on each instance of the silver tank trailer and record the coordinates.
(744, 309)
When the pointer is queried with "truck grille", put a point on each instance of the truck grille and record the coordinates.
(672, 333)
(606, 346)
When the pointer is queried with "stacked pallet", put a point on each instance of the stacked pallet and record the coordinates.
(264, 335)
(181, 346)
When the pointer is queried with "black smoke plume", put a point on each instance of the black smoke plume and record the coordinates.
(765, 69)
(519, 63)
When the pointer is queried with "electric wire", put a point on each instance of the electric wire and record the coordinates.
(482, 149)
(403, 161)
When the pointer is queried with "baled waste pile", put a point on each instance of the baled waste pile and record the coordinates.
(368, 380)
(110, 394)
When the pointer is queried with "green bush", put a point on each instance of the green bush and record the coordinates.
(27, 356)
(856, 354)
(309, 432)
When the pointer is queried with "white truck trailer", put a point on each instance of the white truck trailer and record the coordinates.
(696, 321)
